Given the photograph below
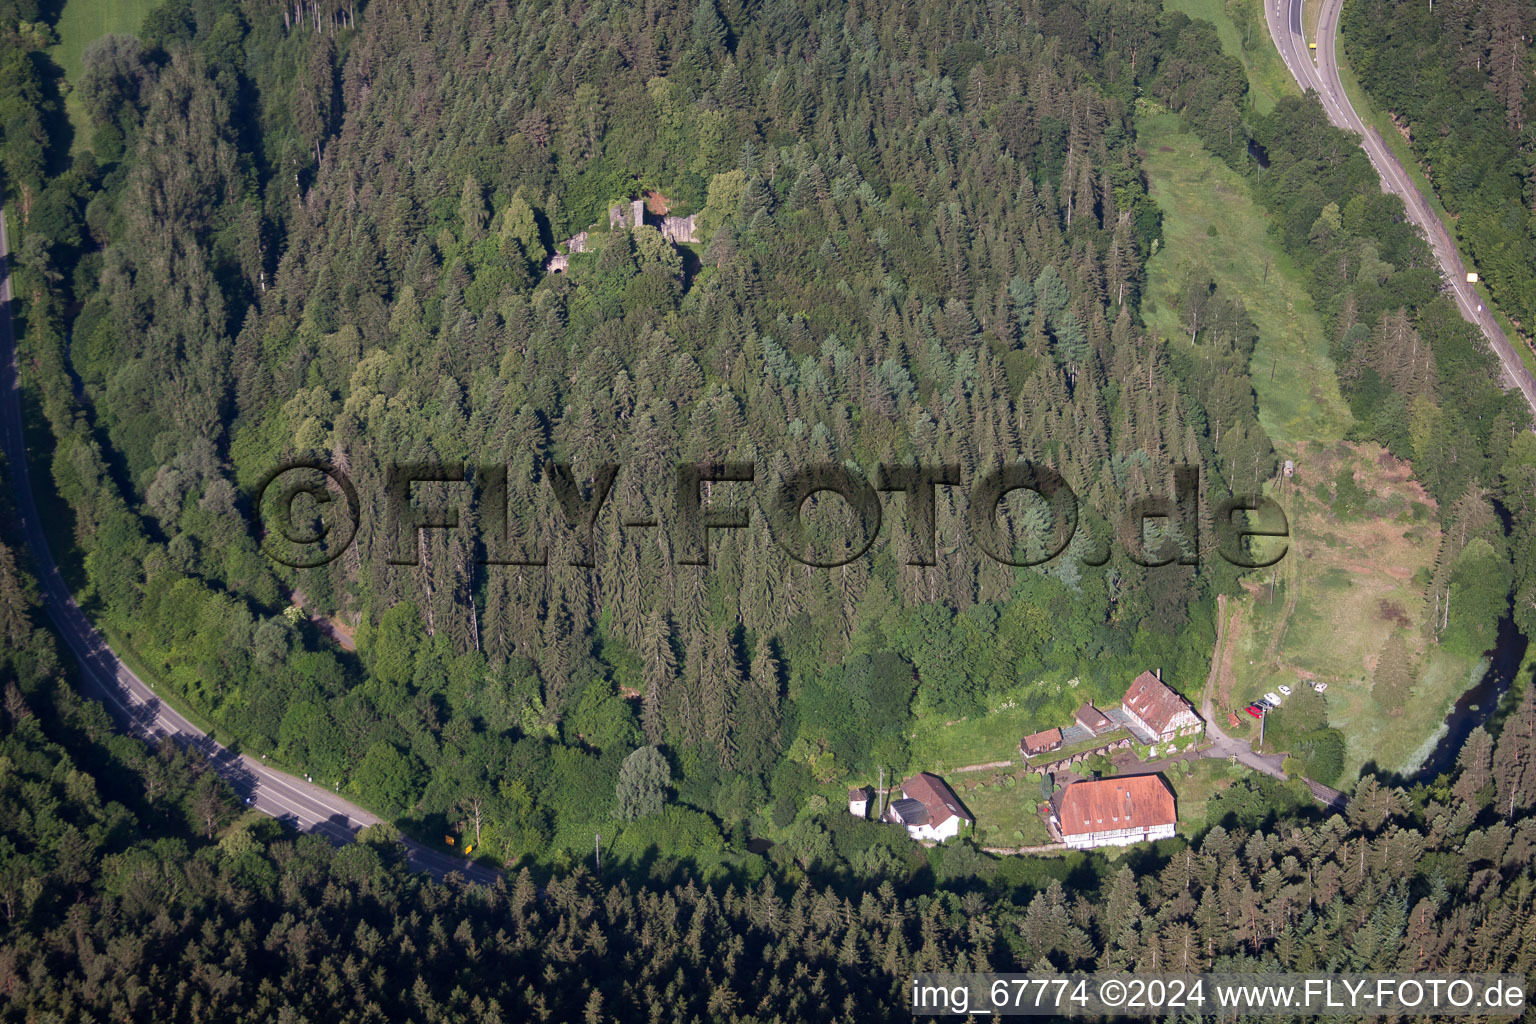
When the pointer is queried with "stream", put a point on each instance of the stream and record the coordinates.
(1474, 707)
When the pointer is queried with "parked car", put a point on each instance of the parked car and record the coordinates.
(1262, 702)
(1274, 698)
(1319, 687)
(1254, 710)
(1285, 691)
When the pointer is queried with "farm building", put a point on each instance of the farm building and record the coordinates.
(1114, 812)
(928, 808)
(1156, 714)
(1095, 721)
(1041, 742)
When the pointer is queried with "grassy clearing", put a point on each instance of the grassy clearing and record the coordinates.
(1344, 585)
(81, 23)
(980, 739)
(1268, 79)
(1003, 804)
(1192, 792)
(1333, 599)
(938, 745)
(1211, 223)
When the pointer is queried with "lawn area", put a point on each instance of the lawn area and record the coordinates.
(1268, 79)
(1211, 222)
(1193, 791)
(980, 739)
(81, 23)
(1339, 591)
(939, 746)
(1003, 804)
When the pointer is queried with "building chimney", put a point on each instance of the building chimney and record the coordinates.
(1159, 674)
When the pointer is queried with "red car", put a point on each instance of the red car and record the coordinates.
(1254, 710)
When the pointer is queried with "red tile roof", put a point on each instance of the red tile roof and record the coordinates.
(1153, 702)
(1131, 801)
(935, 795)
(1050, 739)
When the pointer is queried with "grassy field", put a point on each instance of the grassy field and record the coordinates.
(1003, 804)
(1345, 582)
(81, 23)
(1268, 79)
(980, 739)
(1193, 791)
(1210, 221)
(938, 745)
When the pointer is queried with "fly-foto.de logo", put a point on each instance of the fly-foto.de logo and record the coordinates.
(305, 525)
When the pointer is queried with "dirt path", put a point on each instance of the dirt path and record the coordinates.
(1292, 577)
(1222, 745)
(1226, 668)
(1218, 657)
(983, 767)
(338, 631)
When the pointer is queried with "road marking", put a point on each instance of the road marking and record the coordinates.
(1326, 82)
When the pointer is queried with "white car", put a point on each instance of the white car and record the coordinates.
(1285, 691)
(1274, 698)
(1319, 687)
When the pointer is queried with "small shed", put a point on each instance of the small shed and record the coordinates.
(858, 801)
(1095, 721)
(1041, 742)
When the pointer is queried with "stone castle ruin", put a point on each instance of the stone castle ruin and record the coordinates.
(622, 217)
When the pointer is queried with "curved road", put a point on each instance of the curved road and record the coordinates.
(298, 803)
(1322, 77)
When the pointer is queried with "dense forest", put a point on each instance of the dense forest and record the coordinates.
(132, 887)
(325, 235)
(321, 231)
(1456, 78)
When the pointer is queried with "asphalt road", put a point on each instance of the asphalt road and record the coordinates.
(300, 804)
(1322, 77)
